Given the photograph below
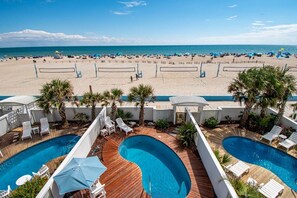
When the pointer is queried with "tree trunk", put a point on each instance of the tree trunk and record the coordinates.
(141, 115)
(113, 111)
(245, 115)
(62, 112)
(93, 112)
(280, 114)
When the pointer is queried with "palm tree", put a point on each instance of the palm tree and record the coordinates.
(246, 87)
(287, 86)
(140, 95)
(91, 99)
(113, 96)
(53, 95)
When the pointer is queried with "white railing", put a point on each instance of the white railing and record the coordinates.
(81, 149)
(216, 174)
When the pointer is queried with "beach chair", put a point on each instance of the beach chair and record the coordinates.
(290, 142)
(44, 126)
(271, 189)
(5, 193)
(27, 129)
(109, 124)
(122, 126)
(97, 190)
(272, 134)
(238, 169)
(42, 172)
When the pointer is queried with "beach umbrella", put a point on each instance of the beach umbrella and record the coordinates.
(78, 174)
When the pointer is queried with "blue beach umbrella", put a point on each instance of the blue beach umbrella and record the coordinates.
(78, 174)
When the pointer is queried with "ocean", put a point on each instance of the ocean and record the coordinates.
(141, 50)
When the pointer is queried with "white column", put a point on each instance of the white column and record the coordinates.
(174, 114)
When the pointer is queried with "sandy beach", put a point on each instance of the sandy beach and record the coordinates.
(18, 76)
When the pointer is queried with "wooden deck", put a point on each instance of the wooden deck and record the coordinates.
(123, 178)
(260, 174)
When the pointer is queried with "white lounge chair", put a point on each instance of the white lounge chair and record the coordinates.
(5, 193)
(97, 190)
(291, 141)
(271, 189)
(109, 124)
(44, 126)
(27, 130)
(42, 172)
(121, 124)
(238, 169)
(274, 133)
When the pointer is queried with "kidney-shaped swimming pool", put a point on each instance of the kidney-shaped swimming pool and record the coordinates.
(32, 158)
(279, 162)
(163, 172)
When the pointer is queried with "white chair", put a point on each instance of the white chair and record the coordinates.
(271, 189)
(1, 154)
(27, 130)
(5, 193)
(122, 126)
(97, 190)
(252, 182)
(274, 133)
(44, 126)
(109, 124)
(290, 142)
(42, 172)
(238, 169)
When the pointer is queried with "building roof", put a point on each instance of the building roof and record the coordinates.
(188, 101)
(17, 100)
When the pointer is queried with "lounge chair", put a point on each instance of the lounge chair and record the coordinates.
(42, 172)
(122, 126)
(274, 133)
(238, 169)
(97, 190)
(109, 124)
(5, 193)
(290, 142)
(27, 129)
(44, 126)
(271, 189)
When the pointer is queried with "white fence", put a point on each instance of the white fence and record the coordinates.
(81, 149)
(216, 174)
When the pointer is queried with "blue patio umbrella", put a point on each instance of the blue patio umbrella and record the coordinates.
(78, 174)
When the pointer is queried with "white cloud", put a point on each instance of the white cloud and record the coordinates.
(120, 13)
(231, 18)
(42, 38)
(258, 23)
(279, 34)
(232, 6)
(131, 4)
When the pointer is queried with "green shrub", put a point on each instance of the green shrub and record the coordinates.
(162, 124)
(244, 190)
(81, 118)
(186, 134)
(222, 159)
(124, 115)
(211, 122)
(29, 189)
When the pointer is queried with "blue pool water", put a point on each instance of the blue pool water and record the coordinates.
(163, 173)
(31, 159)
(278, 162)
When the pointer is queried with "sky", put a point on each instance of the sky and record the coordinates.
(147, 22)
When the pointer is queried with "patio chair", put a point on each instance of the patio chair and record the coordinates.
(290, 142)
(5, 193)
(272, 134)
(97, 190)
(42, 172)
(252, 182)
(44, 126)
(122, 126)
(238, 169)
(109, 124)
(271, 189)
(27, 129)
